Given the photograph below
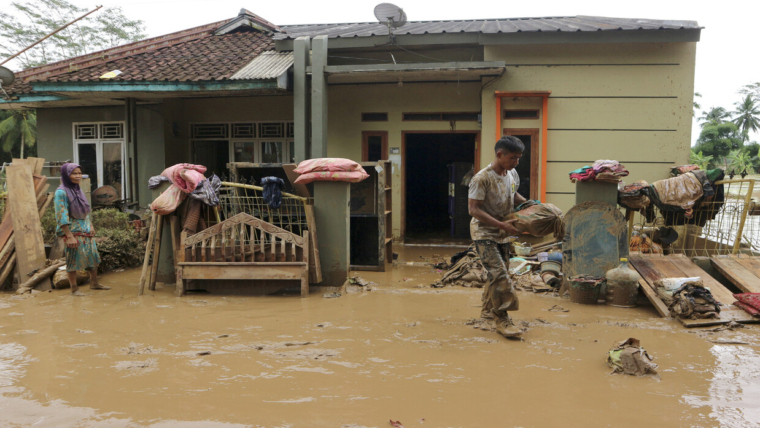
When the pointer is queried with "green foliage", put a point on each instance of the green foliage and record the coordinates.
(718, 140)
(48, 225)
(24, 22)
(740, 161)
(697, 106)
(747, 116)
(17, 128)
(751, 89)
(122, 248)
(702, 161)
(714, 116)
(109, 218)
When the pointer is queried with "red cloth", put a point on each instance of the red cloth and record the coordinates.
(750, 302)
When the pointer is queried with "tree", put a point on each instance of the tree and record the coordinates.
(18, 128)
(697, 106)
(26, 21)
(740, 162)
(751, 89)
(700, 160)
(747, 116)
(715, 116)
(718, 140)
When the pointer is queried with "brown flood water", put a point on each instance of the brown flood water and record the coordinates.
(402, 351)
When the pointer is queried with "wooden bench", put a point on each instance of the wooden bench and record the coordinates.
(244, 247)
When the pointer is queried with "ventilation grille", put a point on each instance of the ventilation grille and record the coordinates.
(243, 130)
(86, 132)
(272, 130)
(112, 131)
(210, 130)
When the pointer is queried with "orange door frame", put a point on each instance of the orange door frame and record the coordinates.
(544, 95)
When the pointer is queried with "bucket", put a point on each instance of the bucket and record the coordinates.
(542, 257)
(585, 290)
(550, 266)
(522, 250)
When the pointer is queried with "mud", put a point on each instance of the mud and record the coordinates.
(403, 351)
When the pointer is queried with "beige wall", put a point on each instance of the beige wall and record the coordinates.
(347, 103)
(637, 111)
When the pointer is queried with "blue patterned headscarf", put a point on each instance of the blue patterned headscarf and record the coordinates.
(78, 205)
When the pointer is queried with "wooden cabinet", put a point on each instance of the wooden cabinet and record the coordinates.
(372, 218)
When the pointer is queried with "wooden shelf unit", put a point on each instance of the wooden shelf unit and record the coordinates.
(372, 218)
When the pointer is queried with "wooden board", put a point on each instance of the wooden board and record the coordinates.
(742, 272)
(655, 267)
(37, 164)
(315, 267)
(300, 189)
(27, 229)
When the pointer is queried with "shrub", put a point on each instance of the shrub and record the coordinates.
(122, 248)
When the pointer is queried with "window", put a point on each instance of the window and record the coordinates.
(99, 150)
(216, 144)
(447, 117)
(374, 146)
(521, 114)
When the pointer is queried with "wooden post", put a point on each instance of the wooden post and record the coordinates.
(148, 251)
(156, 252)
(305, 272)
(315, 268)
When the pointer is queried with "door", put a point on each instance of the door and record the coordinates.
(103, 162)
(214, 155)
(528, 167)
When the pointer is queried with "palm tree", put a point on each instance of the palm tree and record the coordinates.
(715, 116)
(18, 126)
(747, 116)
(697, 106)
(740, 162)
(700, 160)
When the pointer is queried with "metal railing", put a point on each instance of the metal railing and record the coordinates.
(717, 227)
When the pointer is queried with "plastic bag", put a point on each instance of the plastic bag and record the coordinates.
(350, 177)
(539, 220)
(168, 201)
(156, 181)
(328, 164)
(681, 192)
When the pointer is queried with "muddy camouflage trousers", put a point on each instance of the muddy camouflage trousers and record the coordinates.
(498, 295)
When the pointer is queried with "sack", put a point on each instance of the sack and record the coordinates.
(350, 177)
(168, 201)
(327, 164)
(186, 176)
(539, 220)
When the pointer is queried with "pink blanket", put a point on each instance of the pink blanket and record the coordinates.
(186, 176)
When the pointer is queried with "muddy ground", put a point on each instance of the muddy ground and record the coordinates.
(403, 351)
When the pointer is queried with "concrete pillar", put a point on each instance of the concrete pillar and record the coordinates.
(331, 208)
(301, 98)
(319, 97)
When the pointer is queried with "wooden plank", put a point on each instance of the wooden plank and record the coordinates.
(234, 271)
(30, 248)
(36, 164)
(8, 268)
(148, 252)
(752, 264)
(719, 292)
(156, 252)
(651, 294)
(305, 270)
(737, 274)
(315, 267)
(300, 189)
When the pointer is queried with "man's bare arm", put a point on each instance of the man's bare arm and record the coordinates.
(475, 210)
(519, 199)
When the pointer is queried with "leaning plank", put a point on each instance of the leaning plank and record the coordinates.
(315, 267)
(8, 268)
(148, 252)
(30, 248)
(39, 276)
(651, 294)
(300, 189)
(649, 274)
(737, 274)
(156, 252)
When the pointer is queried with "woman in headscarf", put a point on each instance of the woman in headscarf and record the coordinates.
(73, 225)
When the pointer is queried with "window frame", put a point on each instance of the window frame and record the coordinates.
(99, 140)
(257, 140)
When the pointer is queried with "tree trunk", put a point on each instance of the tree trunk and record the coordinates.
(22, 146)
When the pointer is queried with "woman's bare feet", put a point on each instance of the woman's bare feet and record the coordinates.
(99, 287)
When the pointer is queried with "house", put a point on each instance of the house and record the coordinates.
(425, 95)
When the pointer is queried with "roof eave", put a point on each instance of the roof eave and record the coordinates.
(542, 37)
(156, 86)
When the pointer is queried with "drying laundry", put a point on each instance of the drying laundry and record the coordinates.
(610, 171)
(680, 192)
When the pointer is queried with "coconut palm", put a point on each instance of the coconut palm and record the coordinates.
(697, 105)
(700, 160)
(18, 127)
(740, 161)
(714, 116)
(747, 116)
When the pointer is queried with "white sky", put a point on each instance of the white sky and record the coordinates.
(727, 55)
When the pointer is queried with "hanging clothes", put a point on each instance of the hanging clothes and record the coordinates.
(273, 191)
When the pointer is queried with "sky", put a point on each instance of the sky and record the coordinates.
(727, 55)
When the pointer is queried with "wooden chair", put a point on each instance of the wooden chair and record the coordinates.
(244, 247)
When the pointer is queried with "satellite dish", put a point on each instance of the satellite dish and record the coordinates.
(6, 77)
(390, 14)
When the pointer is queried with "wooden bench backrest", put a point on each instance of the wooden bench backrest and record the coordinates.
(245, 238)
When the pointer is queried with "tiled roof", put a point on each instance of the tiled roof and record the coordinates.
(485, 26)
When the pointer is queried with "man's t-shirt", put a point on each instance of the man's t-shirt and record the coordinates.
(498, 196)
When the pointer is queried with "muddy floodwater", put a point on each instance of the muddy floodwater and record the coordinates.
(403, 351)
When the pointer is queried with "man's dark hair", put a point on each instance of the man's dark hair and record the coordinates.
(509, 144)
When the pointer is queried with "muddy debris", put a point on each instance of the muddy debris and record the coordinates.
(558, 308)
(331, 295)
(630, 358)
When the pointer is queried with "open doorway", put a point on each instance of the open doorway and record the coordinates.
(527, 170)
(436, 211)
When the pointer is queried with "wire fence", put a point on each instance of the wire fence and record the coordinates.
(723, 225)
